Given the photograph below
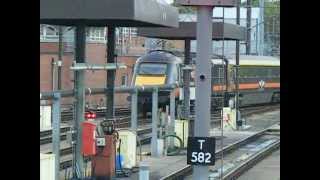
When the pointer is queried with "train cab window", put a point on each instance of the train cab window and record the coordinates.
(244, 72)
(261, 72)
(276, 72)
(153, 68)
(179, 73)
(269, 74)
(175, 73)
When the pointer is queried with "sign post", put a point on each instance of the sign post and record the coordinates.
(203, 82)
(201, 151)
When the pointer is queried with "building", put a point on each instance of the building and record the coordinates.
(95, 53)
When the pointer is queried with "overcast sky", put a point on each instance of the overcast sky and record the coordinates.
(170, 1)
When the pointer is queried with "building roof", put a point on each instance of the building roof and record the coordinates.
(120, 13)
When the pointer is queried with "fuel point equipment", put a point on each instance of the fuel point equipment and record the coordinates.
(101, 148)
(127, 145)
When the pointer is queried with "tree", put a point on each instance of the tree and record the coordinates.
(184, 9)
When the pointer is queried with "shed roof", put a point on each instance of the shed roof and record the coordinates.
(120, 13)
(187, 30)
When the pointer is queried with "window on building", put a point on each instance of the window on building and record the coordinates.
(126, 31)
(134, 32)
(48, 32)
(97, 34)
(124, 80)
(41, 31)
(51, 32)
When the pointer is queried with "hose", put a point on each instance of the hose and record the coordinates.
(174, 153)
(119, 155)
(65, 173)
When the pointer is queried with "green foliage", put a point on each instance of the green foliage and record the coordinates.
(255, 3)
(184, 9)
(272, 8)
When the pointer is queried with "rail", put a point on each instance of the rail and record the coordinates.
(187, 170)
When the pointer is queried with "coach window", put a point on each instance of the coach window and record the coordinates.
(276, 72)
(269, 72)
(262, 72)
(244, 72)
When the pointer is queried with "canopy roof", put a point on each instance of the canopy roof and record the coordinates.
(119, 13)
(187, 30)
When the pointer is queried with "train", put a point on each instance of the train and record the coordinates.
(259, 79)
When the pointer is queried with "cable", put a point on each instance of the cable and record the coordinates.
(221, 174)
(65, 173)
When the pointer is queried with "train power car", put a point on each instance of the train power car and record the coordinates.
(156, 68)
(259, 78)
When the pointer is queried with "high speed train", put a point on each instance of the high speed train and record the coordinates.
(259, 78)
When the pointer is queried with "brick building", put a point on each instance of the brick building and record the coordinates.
(95, 54)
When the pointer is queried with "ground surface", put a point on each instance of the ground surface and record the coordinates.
(267, 169)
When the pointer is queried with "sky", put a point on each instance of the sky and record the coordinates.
(170, 1)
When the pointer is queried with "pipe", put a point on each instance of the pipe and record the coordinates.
(181, 144)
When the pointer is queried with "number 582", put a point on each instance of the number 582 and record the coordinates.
(201, 157)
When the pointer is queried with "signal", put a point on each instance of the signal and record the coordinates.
(90, 115)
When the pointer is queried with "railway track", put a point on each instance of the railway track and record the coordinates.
(238, 157)
(68, 115)
(124, 122)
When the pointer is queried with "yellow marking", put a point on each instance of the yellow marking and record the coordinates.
(150, 80)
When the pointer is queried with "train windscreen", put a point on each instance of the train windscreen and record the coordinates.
(153, 68)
